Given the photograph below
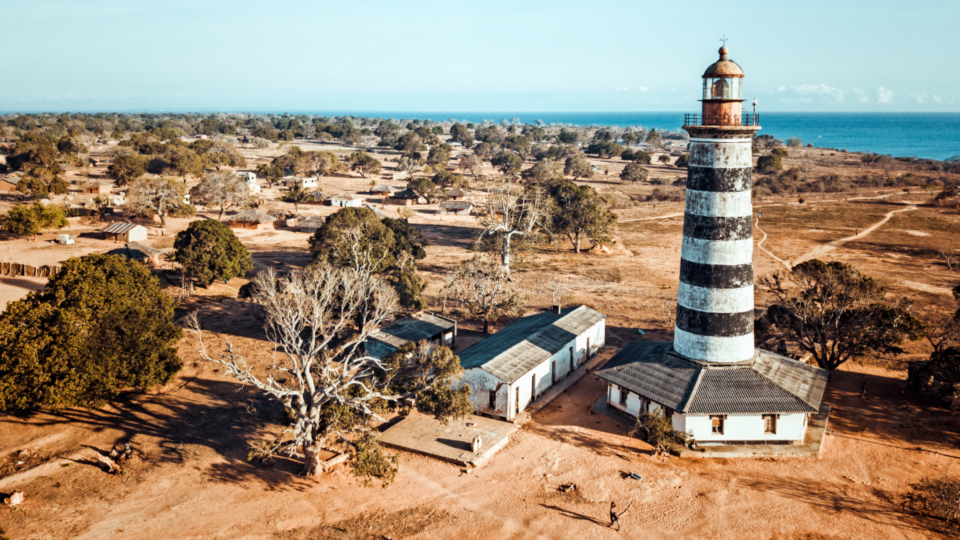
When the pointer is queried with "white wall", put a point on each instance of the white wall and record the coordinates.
(747, 427)
(481, 383)
(136, 234)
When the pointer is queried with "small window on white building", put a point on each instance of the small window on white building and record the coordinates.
(770, 424)
(493, 399)
(716, 423)
(623, 396)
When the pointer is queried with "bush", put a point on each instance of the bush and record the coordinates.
(655, 428)
(771, 162)
(938, 380)
(101, 325)
(935, 501)
(210, 251)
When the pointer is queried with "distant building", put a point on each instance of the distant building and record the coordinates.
(460, 208)
(455, 193)
(124, 231)
(385, 189)
(96, 189)
(345, 200)
(8, 184)
(247, 176)
(509, 370)
(251, 219)
(435, 329)
(141, 253)
(310, 224)
(406, 197)
(318, 197)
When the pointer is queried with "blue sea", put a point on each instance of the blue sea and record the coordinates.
(922, 135)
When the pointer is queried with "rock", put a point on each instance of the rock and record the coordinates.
(14, 499)
(23, 454)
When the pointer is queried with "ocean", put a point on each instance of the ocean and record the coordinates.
(922, 135)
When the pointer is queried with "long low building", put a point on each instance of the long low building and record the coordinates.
(768, 399)
(509, 370)
(435, 329)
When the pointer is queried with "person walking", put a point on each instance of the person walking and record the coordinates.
(863, 390)
(615, 516)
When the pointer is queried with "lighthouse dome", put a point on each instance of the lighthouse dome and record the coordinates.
(723, 67)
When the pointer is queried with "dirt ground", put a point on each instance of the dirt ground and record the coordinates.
(190, 479)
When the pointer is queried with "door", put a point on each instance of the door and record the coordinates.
(533, 387)
(517, 401)
(571, 360)
(588, 348)
(553, 373)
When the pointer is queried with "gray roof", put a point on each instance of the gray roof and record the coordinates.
(770, 384)
(456, 205)
(121, 227)
(136, 251)
(345, 197)
(312, 222)
(385, 188)
(406, 194)
(250, 215)
(376, 211)
(319, 195)
(419, 327)
(527, 343)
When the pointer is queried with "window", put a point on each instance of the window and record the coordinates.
(668, 413)
(623, 396)
(493, 399)
(770, 424)
(716, 423)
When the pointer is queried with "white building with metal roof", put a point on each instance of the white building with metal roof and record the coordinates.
(509, 370)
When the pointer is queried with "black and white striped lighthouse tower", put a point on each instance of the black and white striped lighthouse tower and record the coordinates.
(715, 298)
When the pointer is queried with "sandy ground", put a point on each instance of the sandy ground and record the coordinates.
(190, 478)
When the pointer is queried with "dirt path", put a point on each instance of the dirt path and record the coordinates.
(829, 247)
(767, 251)
(665, 216)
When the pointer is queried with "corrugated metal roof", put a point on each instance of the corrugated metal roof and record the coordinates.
(771, 384)
(121, 227)
(251, 215)
(419, 327)
(456, 205)
(525, 344)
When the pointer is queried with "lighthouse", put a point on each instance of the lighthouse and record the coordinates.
(715, 298)
(711, 381)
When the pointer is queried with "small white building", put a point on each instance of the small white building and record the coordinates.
(767, 400)
(436, 329)
(247, 176)
(345, 199)
(124, 231)
(253, 187)
(309, 182)
(509, 370)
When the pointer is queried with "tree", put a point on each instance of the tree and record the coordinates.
(683, 161)
(936, 501)
(221, 189)
(459, 133)
(486, 151)
(100, 326)
(794, 142)
(219, 153)
(663, 158)
(409, 143)
(127, 168)
(320, 163)
(512, 210)
(439, 154)
(770, 163)
(578, 167)
(209, 251)
(425, 187)
(568, 137)
(296, 195)
(508, 162)
(472, 164)
(356, 238)
(633, 172)
(835, 313)
(483, 289)
(654, 139)
(183, 161)
(544, 172)
(581, 212)
(447, 179)
(155, 196)
(364, 163)
(641, 157)
(23, 219)
(272, 172)
(318, 319)
(655, 428)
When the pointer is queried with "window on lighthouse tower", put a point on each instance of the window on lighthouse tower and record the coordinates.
(721, 89)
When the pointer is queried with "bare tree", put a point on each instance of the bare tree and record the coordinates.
(221, 189)
(484, 290)
(472, 164)
(941, 326)
(948, 258)
(511, 209)
(319, 319)
(221, 152)
(155, 195)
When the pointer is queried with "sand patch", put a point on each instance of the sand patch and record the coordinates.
(917, 233)
(932, 289)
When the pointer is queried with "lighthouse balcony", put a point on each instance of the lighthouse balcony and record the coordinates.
(745, 119)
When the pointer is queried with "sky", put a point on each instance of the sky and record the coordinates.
(489, 55)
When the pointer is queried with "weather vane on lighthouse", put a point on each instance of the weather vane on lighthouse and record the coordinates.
(723, 40)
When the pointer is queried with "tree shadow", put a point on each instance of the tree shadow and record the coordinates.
(448, 235)
(571, 514)
(177, 428)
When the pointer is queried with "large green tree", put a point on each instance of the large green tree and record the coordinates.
(633, 172)
(508, 162)
(835, 313)
(209, 251)
(580, 212)
(101, 325)
(127, 168)
(364, 163)
(33, 219)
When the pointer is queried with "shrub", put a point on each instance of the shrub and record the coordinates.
(771, 162)
(655, 428)
(101, 325)
(935, 501)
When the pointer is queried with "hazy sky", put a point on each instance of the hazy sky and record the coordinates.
(483, 55)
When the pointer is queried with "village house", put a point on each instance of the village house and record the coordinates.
(345, 200)
(247, 176)
(435, 329)
(317, 197)
(124, 231)
(251, 219)
(455, 193)
(768, 400)
(459, 208)
(141, 253)
(96, 188)
(8, 184)
(385, 189)
(310, 224)
(406, 197)
(509, 370)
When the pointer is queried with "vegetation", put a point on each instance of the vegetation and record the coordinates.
(101, 325)
(126, 169)
(297, 195)
(655, 428)
(835, 313)
(223, 190)
(581, 212)
(209, 251)
(318, 319)
(33, 219)
(936, 501)
(513, 210)
(633, 172)
(508, 163)
(364, 163)
(578, 167)
(155, 196)
(483, 289)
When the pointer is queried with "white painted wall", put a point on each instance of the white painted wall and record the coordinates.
(137, 233)
(481, 383)
(748, 427)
